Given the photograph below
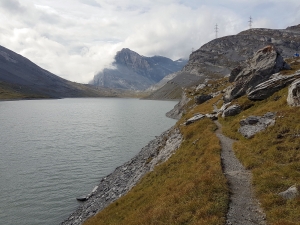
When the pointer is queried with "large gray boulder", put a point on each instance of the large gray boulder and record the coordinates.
(232, 110)
(293, 98)
(254, 124)
(260, 68)
(275, 83)
(202, 98)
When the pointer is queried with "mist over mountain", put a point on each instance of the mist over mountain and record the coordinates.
(136, 72)
(21, 77)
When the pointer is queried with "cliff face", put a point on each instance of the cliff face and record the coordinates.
(136, 72)
(221, 55)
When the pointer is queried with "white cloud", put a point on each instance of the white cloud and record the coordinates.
(77, 38)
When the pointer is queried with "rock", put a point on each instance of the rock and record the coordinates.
(291, 193)
(234, 73)
(119, 182)
(212, 116)
(194, 119)
(202, 98)
(264, 63)
(178, 109)
(231, 111)
(274, 84)
(293, 98)
(254, 124)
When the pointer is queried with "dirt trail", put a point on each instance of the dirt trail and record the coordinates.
(243, 208)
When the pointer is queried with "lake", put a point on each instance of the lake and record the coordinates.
(53, 151)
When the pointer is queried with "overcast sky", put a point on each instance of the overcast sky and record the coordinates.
(77, 38)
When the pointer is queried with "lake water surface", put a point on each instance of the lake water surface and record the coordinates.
(53, 151)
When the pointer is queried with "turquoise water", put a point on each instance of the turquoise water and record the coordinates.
(53, 151)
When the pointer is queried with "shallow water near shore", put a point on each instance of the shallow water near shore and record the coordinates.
(53, 151)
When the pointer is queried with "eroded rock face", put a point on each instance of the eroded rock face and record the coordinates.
(260, 68)
(254, 124)
(178, 109)
(276, 83)
(293, 98)
(202, 98)
(231, 111)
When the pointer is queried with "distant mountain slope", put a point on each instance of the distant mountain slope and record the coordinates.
(22, 78)
(135, 72)
(218, 57)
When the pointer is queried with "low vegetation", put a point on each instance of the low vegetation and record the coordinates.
(189, 188)
(8, 92)
(273, 156)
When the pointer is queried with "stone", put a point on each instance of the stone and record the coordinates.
(274, 84)
(212, 116)
(254, 124)
(232, 110)
(293, 98)
(194, 119)
(291, 193)
(234, 73)
(265, 62)
(202, 98)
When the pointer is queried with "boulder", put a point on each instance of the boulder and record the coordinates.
(234, 73)
(254, 124)
(269, 87)
(264, 63)
(293, 98)
(232, 110)
(291, 193)
(212, 116)
(202, 98)
(194, 119)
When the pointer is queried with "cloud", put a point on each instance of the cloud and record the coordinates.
(12, 6)
(76, 39)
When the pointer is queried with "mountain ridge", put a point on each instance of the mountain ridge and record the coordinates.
(136, 72)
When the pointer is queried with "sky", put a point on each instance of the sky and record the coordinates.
(75, 39)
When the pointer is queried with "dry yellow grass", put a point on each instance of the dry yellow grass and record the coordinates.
(187, 189)
(273, 156)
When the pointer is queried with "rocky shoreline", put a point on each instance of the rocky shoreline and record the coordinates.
(119, 182)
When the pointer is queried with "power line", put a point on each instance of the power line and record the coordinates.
(250, 22)
(216, 29)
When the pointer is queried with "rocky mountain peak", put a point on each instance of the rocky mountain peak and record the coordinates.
(131, 59)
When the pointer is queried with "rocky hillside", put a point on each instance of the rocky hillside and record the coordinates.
(135, 72)
(21, 78)
(220, 56)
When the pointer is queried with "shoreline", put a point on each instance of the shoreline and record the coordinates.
(126, 176)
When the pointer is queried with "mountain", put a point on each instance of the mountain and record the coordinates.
(135, 72)
(220, 56)
(21, 78)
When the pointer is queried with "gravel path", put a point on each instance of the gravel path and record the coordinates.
(243, 207)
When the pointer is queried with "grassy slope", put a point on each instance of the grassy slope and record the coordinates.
(273, 155)
(187, 189)
(8, 92)
(191, 189)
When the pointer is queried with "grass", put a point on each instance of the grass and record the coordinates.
(187, 189)
(273, 155)
(190, 187)
(9, 92)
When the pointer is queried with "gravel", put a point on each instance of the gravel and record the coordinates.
(244, 208)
